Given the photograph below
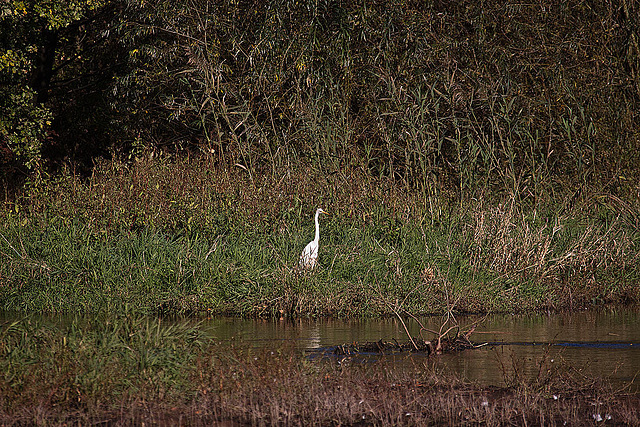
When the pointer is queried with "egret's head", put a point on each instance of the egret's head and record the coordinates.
(320, 211)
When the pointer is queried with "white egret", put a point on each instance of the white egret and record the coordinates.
(309, 256)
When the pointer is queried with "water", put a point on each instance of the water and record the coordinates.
(596, 344)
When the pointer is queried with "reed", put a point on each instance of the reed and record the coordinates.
(416, 93)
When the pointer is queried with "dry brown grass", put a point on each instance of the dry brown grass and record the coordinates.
(168, 192)
(261, 387)
(517, 246)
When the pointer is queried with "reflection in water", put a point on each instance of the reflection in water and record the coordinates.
(603, 343)
(612, 336)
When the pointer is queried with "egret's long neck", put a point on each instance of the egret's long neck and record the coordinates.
(317, 228)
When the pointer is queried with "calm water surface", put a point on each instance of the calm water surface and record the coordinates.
(602, 343)
(595, 343)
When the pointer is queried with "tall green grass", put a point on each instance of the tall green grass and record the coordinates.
(92, 360)
(189, 236)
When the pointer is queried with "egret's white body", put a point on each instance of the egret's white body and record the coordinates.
(309, 257)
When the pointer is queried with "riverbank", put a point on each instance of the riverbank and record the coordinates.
(125, 370)
(188, 236)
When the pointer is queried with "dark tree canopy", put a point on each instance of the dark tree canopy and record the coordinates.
(465, 91)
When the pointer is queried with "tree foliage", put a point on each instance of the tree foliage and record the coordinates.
(500, 92)
(40, 43)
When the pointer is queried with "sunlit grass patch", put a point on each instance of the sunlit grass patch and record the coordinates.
(209, 240)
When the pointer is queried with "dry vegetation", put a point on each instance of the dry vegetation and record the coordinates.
(129, 372)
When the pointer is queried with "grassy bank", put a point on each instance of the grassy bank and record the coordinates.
(187, 235)
(476, 157)
(128, 370)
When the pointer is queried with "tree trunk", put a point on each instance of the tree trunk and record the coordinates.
(41, 81)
